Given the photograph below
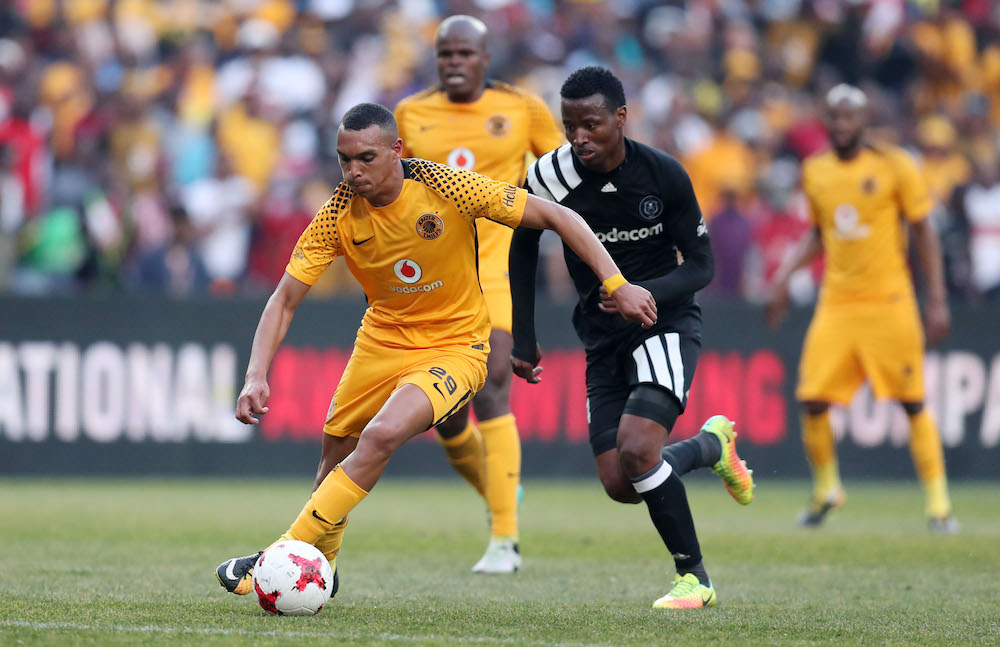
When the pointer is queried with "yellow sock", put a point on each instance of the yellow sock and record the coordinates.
(928, 459)
(329, 544)
(503, 472)
(467, 456)
(817, 438)
(327, 508)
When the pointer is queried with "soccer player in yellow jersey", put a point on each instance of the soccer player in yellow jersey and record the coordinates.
(862, 200)
(471, 123)
(406, 228)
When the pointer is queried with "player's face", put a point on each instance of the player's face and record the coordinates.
(845, 122)
(368, 159)
(595, 132)
(461, 62)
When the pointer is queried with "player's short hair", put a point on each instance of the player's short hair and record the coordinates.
(364, 115)
(591, 80)
(855, 97)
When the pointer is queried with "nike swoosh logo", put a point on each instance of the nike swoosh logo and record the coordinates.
(438, 389)
(361, 242)
(229, 569)
(320, 518)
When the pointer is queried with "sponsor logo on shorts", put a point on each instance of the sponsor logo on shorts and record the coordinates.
(462, 158)
(624, 235)
(429, 226)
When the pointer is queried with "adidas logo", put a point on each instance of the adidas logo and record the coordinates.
(609, 188)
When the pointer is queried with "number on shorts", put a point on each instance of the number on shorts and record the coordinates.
(449, 381)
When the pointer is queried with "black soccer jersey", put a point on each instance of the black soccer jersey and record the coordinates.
(644, 212)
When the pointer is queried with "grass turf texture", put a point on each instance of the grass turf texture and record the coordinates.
(126, 562)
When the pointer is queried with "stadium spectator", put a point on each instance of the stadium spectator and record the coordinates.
(166, 88)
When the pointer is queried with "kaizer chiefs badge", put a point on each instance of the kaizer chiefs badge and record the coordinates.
(429, 226)
(498, 125)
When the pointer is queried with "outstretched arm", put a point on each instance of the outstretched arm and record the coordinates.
(633, 302)
(271, 329)
(806, 251)
(938, 318)
(525, 355)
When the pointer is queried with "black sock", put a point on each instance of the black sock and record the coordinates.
(704, 450)
(664, 494)
(699, 572)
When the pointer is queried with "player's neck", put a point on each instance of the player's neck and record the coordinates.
(849, 153)
(388, 193)
(466, 97)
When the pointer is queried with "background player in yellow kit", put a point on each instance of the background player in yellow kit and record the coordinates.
(867, 323)
(472, 123)
(407, 231)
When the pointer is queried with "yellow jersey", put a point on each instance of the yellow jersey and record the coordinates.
(491, 135)
(860, 206)
(415, 258)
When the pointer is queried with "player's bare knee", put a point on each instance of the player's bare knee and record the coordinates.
(619, 489)
(912, 408)
(454, 425)
(382, 437)
(492, 399)
(815, 407)
(637, 456)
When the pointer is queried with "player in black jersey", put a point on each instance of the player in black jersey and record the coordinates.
(640, 203)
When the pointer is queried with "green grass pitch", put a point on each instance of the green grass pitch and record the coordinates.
(130, 562)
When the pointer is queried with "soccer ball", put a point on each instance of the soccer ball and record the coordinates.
(292, 578)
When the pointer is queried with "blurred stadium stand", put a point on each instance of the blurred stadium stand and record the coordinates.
(180, 146)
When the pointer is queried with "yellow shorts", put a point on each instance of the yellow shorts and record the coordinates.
(847, 343)
(450, 376)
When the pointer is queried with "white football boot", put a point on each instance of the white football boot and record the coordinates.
(501, 557)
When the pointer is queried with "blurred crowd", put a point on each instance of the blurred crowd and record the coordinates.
(181, 146)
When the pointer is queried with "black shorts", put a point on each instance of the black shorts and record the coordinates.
(665, 357)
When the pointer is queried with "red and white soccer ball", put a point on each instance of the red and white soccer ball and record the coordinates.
(292, 578)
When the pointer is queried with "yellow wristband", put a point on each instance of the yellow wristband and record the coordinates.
(614, 282)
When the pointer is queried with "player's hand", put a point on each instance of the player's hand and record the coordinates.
(252, 401)
(632, 302)
(528, 370)
(777, 306)
(938, 321)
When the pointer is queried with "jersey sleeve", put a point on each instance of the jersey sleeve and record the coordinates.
(319, 244)
(688, 228)
(474, 195)
(544, 132)
(914, 198)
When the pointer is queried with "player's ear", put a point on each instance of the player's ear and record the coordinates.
(397, 147)
(620, 115)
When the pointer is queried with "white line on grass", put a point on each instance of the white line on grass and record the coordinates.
(219, 631)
